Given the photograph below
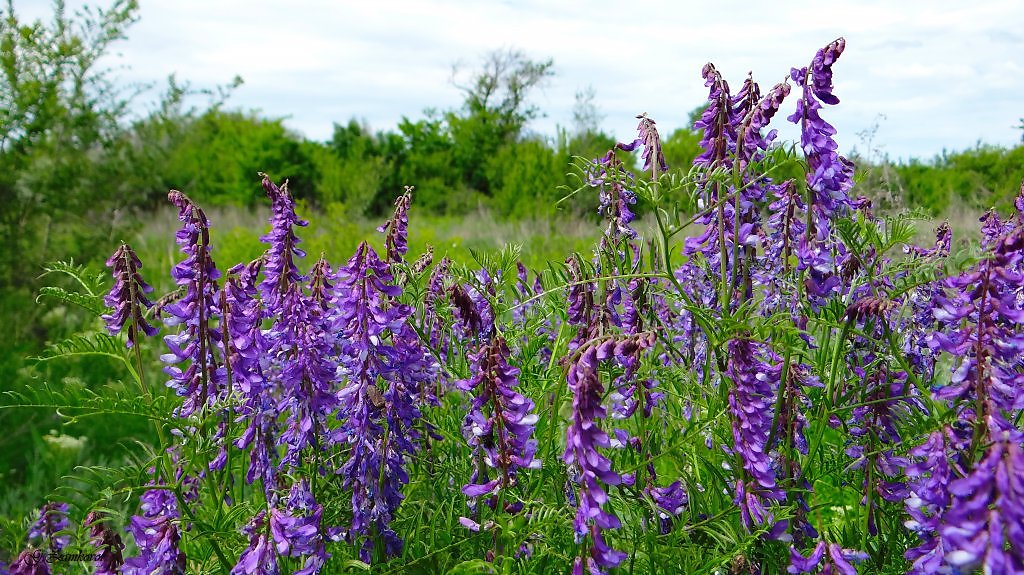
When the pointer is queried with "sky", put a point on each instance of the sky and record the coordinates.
(916, 78)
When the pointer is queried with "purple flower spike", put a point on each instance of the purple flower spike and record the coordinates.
(378, 426)
(984, 526)
(31, 562)
(716, 123)
(107, 543)
(830, 175)
(983, 308)
(396, 242)
(751, 404)
(156, 536)
(305, 371)
(128, 296)
(280, 272)
(203, 380)
(259, 558)
(616, 195)
(297, 531)
(928, 500)
(48, 529)
(502, 433)
(647, 136)
(750, 144)
(588, 467)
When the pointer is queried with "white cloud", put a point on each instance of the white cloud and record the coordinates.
(944, 72)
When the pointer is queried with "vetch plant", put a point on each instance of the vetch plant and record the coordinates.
(772, 378)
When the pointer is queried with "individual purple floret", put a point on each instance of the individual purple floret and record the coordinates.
(156, 536)
(826, 559)
(377, 345)
(50, 527)
(128, 296)
(984, 525)
(503, 432)
(396, 242)
(297, 531)
(107, 544)
(647, 136)
(751, 404)
(260, 557)
(203, 380)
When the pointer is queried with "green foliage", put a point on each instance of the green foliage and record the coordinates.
(210, 152)
(982, 177)
(59, 110)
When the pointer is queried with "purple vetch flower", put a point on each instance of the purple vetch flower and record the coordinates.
(985, 314)
(927, 500)
(107, 544)
(260, 557)
(984, 525)
(280, 272)
(31, 562)
(431, 322)
(670, 500)
(581, 310)
(615, 196)
(302, 351)
(502, 433)
(297, 530)
(785, 228)
(51, 527)
(751, 404)
(716, 123)
(750, 143)
(128, 296)
(584, 436)
(474, 314)
(247, 347)
(300, 343)
(920, 323)
(157, 536)
(203, 381)
(378, 344)
(732, 221)
(830, 175)
(601, 556)
(826, 559)
(396, 242)
(647, 136)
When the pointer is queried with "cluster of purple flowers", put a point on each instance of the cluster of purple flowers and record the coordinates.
(751, 399)
(503, 434)
(128, 296)
(325, 381)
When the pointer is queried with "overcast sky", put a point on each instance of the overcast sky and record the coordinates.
(933, 75)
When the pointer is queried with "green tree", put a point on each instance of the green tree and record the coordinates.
(59, 111)
(495, 109)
